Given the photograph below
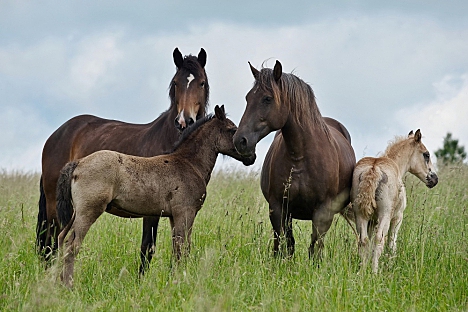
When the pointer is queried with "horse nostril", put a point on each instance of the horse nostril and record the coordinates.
(191, 121)
(243, 142)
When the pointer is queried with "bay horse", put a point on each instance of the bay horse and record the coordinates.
(308, 168)
(378, 194)
(85, 134)
(171, 185)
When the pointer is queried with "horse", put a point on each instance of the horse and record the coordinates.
(378, 194)
(171, 185)
(85, 134)
(307, 170)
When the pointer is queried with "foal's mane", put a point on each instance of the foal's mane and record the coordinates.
(396, 145)
(194, 127)
(298, 94)
(191, 65)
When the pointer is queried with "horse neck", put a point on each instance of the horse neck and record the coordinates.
(200, 150)
(401, 156)
(297, 136)
(162, 134)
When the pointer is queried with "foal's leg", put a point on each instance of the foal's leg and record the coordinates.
(380, 237)
(397, 220)
(181, 232)
(361, 228)
(393, 232)
(79, 228)
(148, 242)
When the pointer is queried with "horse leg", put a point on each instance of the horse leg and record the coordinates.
(361, 228)
(397, 220)
(148, 241)
(80, 226)
(379, 243)
(181, 224)
(278, 220)
(52, 232)
(288, 233)
(322, 219)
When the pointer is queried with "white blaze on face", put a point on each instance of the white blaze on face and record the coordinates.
(189, 78)
(181, 119)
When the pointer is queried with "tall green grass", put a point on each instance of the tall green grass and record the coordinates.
(231, 267)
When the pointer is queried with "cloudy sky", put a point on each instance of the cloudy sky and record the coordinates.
(381, 68)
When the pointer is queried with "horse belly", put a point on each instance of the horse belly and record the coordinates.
(138, 207)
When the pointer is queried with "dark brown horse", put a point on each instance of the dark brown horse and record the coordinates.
(172, 185)
(85, 134)
(308, 169)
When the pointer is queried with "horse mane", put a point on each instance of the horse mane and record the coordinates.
(191, 129)
(191, 65)
(395, 146)
(298, 94)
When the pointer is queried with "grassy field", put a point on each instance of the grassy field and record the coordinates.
(231, 267)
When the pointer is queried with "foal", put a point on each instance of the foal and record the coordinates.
(378, 193)
(172, 185)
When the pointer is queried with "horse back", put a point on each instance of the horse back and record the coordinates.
(331, 122)
(86, 134)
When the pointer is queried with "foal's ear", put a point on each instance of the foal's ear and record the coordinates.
(202, 57)
(220, 113)
(178, 58)
(277, 71)
(410, 133)
(417, 136)
(254, 71)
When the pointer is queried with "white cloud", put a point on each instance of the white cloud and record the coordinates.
(369, 72)
(91, 69)
(447, 113)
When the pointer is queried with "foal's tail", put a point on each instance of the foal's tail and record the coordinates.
(64, 197)
(41, 227)
(368, 183)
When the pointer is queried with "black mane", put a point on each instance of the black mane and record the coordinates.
(191, 129)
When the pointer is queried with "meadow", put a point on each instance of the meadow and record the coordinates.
(231, 266)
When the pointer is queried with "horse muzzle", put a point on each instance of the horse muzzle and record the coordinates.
(244, 145)
(250, 160)
(432, 179)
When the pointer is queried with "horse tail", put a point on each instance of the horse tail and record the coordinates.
(367, 187)
(41, 227)
(64, 196)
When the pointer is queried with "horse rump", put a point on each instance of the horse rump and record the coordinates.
(367, 186)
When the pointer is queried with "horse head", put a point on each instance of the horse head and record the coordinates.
(420, 161)
(226, 132)
(265, 111)
(189, 89)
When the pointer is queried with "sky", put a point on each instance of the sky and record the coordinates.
(381, 68)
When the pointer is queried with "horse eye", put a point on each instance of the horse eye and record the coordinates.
(202, 84)
(267, 99)
(426, 156)
(174, 83)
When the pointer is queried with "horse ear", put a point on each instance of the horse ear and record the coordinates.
(178, 58)
(277, 71)
(254, 71)
(202, 57)
(411, 133)
(219, 112)
(417, 136)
